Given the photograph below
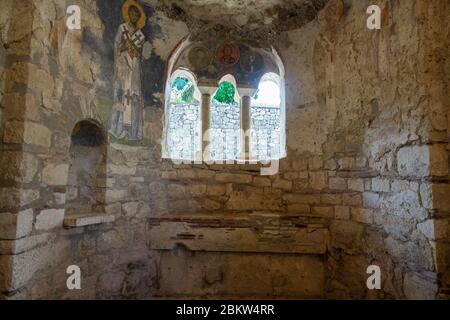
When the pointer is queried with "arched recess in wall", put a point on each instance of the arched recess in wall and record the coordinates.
(209, 74)
(87, 172)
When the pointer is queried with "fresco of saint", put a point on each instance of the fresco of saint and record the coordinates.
(127, 113)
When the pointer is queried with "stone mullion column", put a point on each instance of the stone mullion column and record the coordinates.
(246, 124)
(205, 120)
(206, 126)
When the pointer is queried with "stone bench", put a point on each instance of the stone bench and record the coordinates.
(253, 232)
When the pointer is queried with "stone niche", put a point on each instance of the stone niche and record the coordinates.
(86, 186)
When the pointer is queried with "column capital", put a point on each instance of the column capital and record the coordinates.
(246, 91)
(207, 87)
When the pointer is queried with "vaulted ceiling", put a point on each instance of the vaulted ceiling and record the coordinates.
(247, 18)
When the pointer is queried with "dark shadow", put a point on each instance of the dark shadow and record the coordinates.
(87, 174)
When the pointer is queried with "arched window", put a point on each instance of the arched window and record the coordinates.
(183, 125)
(225, 121)
(206, 120)
(266, 119)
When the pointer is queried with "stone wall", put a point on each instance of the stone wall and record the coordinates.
(183, 131)
(225, 126)
(365, 180)
(368, 118)
(266, 129)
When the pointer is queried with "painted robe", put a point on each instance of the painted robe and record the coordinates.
(127, 113)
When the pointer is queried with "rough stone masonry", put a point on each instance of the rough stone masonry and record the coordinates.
(365, 180)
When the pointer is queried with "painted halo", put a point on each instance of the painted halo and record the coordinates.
(252, 62)
(200, 57)
(227, 54)
(126, 16)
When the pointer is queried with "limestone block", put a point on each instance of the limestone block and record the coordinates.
(324, 212)
(299, 208)
(439, 160)
(290, 175)
(441, 229)
(235, 178)
(114, 209)
(331, 164)
(16, 198)
(404, 204)
(380, 185)
(169, 175)
(426, 195)
(60, 198)
(342, 213)
(21, 106)
(216, 190)
(300, 164)
(311, 199)
(356, 185)
(18, 166)
(347, 163)
(427, 228)
(318, 180)
(55, 174)
(49, 219)
(362, 215)
(176, 191)
(331, 199)
(186, 174)
(371, 200)
(352, 199)
(407, 252)
(205, 174)
(27, 133)
(346, 234)
(111, 282)
(282, 184)
(130, 209)
(315, 163)
(116, 195)
(262, 182)
(15, 226)
(82, 220)
(110, 240)
(196, 190)
(441, 197)
(415, 161)
(121, 170)
(247, 201)
(418, 287)
(24, 244)
(338, 184)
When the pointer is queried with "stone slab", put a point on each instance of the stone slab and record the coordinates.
(76, 221)
(238, 233)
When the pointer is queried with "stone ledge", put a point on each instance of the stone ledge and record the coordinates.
(83, 220)
(257, 233)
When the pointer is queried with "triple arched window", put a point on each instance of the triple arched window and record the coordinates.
(183, 135)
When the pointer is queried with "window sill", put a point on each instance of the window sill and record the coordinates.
(88, 219)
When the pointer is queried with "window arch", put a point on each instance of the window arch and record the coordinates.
(183, 124)
(267, 126)
(225, 120)
(202, 120)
